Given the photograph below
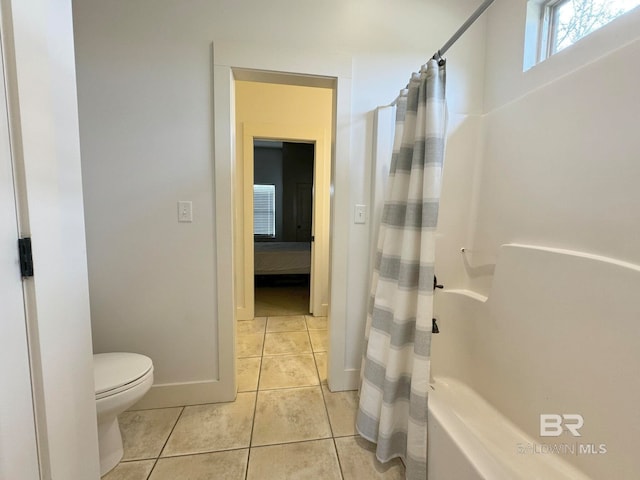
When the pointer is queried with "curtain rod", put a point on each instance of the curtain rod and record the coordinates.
(465, 26)
(474, 16)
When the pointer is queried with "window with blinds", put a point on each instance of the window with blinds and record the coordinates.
(264, 211)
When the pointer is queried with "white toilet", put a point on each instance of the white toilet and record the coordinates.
(121, 379)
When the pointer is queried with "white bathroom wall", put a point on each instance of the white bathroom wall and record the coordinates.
(505, 81)
(559, 164)
(557, 167)
(145, 94)
(557, 335)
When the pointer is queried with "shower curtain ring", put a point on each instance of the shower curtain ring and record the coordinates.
(438, 58)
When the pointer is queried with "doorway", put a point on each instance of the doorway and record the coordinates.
(282, 227)
(300, 118)
(233, 63)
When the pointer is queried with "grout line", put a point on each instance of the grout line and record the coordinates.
(259, 376)
(315, 361)
(172, 429)
(326, 410)
(246, 468)
(152, 469)
(335, 446)
(255, 403)
(271, 389)
(324, 400)
(299, 387)
(288, 331)
(264, 340)
(293, 442)
(165, 444)
(271, 355)
(257, 391)
(293, 354)
(207, 452)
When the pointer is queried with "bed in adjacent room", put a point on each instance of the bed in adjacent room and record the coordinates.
(282, 258)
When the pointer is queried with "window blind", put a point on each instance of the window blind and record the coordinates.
(264, 210)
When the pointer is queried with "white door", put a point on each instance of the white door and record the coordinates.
(18, 447)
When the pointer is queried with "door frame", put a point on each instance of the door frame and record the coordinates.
(57, 394)
(303, 190)
(236, 61)
(21, 455)
(320, 137)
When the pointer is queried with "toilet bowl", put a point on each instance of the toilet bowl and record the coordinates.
(121, 379)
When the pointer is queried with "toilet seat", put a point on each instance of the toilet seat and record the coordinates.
(117, 372)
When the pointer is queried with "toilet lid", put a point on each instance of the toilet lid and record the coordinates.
(113, 370)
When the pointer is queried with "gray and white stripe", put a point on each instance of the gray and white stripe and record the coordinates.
(395, 372)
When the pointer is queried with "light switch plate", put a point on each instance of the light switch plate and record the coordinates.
(360, 215)
(185, 211)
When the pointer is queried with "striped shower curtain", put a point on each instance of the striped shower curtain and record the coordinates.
(395, 371)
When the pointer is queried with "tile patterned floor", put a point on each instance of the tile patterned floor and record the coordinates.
(284, 423)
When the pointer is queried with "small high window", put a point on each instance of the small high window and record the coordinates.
(553, 25)
(264, 210)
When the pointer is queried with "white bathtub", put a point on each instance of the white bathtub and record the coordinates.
(557, 334)
(470, 440)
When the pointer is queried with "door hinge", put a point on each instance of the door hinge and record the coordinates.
(26, 259)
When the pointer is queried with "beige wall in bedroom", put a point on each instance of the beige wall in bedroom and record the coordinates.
(284, 111)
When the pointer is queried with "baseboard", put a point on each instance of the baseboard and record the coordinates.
(324, 311)
(191, 393)
(243, 313)
(197, 393)
(348, 379)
